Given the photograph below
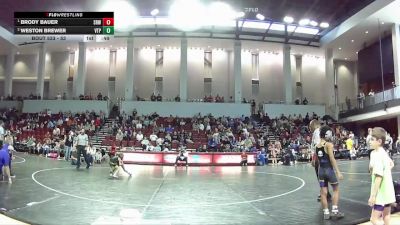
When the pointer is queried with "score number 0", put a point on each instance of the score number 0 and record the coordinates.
(108, 21)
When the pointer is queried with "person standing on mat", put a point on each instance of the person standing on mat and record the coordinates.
(328, 172)
(314, 128)
(69, 141)
(82, 142)
(382, 189)
(5, 161)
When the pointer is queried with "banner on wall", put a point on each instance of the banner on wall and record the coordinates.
(143, 157)
(231, 159)
(194, 158)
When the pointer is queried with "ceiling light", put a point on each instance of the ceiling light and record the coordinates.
(306, 30)
(324, 25)
(240, 15)
(383, 23)
(345, 58)
(352, 40)
(260, 17)
(187, 20)
(124, 12)
(304, 22)
(277, 26)
(313, 23)
(340, 48)
(154, 12)
(288, 19)
(220, 14)
(257, 25)
(357, 53)
(366, 32)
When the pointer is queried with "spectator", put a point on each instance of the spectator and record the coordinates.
(305, 101)
(153, 97)
(139, 136)
(159, 98)
(119, 137)
(145, 144)
(153, 137)
(69, 141)
(253, 107)
(91, 153)
(371, 93)
(2, 130)
(348, 103)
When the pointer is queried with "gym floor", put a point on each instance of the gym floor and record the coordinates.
(48, 191)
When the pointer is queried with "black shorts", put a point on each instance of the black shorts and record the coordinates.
(325, 176)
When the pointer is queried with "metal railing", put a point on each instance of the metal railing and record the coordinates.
(369, 100)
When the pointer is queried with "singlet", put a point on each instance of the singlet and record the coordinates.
(114, 161)
(323, 157)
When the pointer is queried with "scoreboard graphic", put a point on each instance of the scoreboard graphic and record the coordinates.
(64, 26)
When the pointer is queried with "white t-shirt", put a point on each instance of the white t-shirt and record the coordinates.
(201, 127)
(2, 132)
(381, 165)
(368, 140)
(91, 150)
(145, 142)
(139, 137)
(160, 141)
(153, 137)
(315, 139)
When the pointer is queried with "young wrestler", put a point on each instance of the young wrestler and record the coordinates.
(382, 189)
(5, 161)
(182, 156)
(116, 162)
(328, 172)
(315, 129)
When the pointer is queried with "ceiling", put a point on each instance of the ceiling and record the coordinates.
(332, 11)
(366, 32)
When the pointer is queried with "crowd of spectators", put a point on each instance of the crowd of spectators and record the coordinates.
(207, 98)
(18, 98)
(46, 133)
(275, 137)
(31, 96)
(206, 133)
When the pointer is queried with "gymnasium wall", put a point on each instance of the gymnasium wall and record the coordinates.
(271, 80)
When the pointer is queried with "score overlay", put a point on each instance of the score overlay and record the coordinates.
(64, 26)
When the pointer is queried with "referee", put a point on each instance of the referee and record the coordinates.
(82, 141)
